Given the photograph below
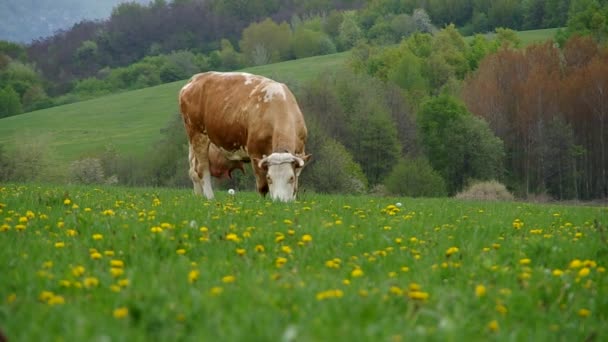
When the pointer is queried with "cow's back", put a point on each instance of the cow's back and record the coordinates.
(234, 109)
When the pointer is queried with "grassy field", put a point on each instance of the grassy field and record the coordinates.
(131, 121)
(86, 264)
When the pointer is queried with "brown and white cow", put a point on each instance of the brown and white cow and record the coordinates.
(231, 118)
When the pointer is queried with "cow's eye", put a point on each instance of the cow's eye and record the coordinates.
(268, 179)
(292, 179)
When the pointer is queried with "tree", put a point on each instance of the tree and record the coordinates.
(459, 146)
(416, 178)
(350, 32)
(9, 102)
(307, 43)
(268, 37)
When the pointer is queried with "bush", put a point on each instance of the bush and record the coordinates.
(87, 171)
(486, 191)
(415, 178)
(333, 170)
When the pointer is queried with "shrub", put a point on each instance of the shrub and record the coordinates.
(486, 191)
(87, 171)
(415, 178)
(333, 170)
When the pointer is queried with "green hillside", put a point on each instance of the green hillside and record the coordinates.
(129, 121)
(132, 120)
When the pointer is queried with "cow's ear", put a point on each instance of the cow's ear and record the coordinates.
(261, 163)
(300, 162)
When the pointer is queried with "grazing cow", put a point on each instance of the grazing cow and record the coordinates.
(232, 118)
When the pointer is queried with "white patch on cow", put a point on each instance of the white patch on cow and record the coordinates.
(248, 77)
(273, 88)
(207, 190)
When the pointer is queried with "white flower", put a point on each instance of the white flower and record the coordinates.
(230, 191)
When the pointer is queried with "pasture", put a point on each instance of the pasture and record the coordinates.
(109, 263)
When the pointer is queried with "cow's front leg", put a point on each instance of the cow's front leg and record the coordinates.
(201, 172)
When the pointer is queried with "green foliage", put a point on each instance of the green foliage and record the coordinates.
(9, 102)
(32, 160)
(307, 43)
(459, 146)
(332, 169)
(588, 17)
(350, 32)
(13, 50)
(266, 39)
(414, 177)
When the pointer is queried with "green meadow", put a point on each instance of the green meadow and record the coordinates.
(106, 263)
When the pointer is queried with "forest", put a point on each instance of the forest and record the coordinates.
(419, 110)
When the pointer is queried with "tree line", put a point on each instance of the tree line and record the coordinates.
(97, 57)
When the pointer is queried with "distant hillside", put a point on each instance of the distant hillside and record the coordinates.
(26, 20)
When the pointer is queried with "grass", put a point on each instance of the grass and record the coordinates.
(131, 121)
(84, 263)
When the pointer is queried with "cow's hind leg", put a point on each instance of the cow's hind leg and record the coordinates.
(197, 182)
(199, 165)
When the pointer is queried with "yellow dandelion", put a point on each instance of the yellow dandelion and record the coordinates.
(480, 290)
(259, 248)
(576, 263)
(451, 251)
(59, 244)
(116, 272)
(232, 237)
(501, 309)
(216, 291)
(557, 273)
(306, 238)
(117, 263)
(584, 272)
(286, 249)
(395, 290)
(97, 237)
(493, 326)
(56, 300)
(228, 279)
(71, 232)
(525, 261)
(584, 312)
(67, 201)
(357, 272)
(77, 271)
(123, 282)
(240, 251)
(121, 312)
(280, 261)
(193, 276)
(418, 295)
(96, 255)
(90, 282)
(156, 229)
(181, 251)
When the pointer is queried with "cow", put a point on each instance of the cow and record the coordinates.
(233, 118)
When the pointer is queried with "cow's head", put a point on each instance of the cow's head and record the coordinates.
(282, 171)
